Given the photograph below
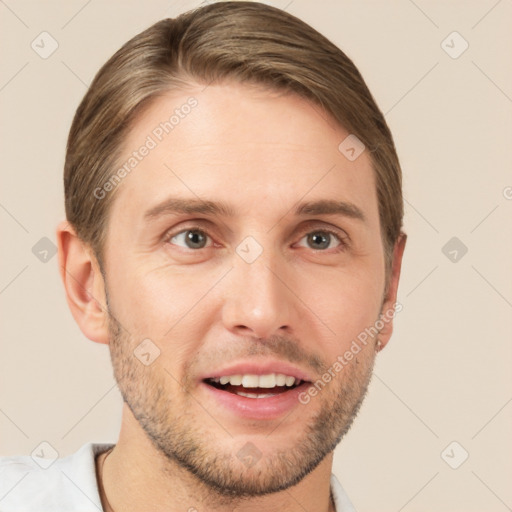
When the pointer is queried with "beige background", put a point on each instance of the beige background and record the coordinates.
(446, 374)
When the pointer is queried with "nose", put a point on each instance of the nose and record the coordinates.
(258, 300)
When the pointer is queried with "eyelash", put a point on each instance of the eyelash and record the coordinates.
(343, 243)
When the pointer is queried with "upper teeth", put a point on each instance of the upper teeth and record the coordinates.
(269, 380)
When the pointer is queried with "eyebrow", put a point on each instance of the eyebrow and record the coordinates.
(332, 207)
(189, 206)
(175, 205)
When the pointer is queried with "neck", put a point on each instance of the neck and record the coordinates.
(135, 476)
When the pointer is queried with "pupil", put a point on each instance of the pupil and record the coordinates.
(321, 241)
(195, 239)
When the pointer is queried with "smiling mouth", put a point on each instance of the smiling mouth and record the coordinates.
(255, 386)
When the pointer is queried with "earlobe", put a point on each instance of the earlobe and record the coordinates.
(83, 284)
(389, 308)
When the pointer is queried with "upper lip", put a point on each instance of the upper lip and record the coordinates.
(259, 368)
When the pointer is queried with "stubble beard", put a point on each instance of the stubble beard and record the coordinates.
(150, 393)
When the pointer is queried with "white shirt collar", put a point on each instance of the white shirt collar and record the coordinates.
(70, 483)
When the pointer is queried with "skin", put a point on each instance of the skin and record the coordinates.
(303, 300)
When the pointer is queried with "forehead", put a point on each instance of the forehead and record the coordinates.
(243, 145)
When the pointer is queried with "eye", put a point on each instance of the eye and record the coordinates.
(322, 239)
(190, 239)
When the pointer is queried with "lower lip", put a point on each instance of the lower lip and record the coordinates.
(258, 408)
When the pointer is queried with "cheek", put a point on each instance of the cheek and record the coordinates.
(161, 302)
(342, 304)
(169, 308)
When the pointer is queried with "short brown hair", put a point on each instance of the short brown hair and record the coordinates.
(248, 42)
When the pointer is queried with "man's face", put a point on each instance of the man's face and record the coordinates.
(265, 285)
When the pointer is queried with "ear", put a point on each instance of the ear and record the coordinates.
(390, 308)
(83, 282)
